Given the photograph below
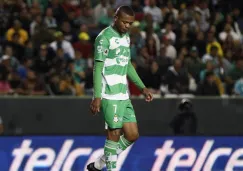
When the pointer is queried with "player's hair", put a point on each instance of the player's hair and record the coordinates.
(125, 9)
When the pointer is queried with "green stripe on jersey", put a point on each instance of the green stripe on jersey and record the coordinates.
(116, 69)
(116, 89)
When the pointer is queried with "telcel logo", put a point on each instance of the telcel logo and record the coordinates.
(201, 161)
(47, 157)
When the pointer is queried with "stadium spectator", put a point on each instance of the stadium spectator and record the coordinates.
(83, 45)
(137, 41)
(78, 68)
(50, 20)
(43, 4)
(54, 37)
(238, 87)
(168, 33)
(209, 68)
(183, 38)
(4, 18)
(17, 30)
(234, 74)
(212, 55)
(193, 63)
(67, 31)
(143, 59)
(106, 20)
(154, 78)
(212, 41)
(63, 44)
(29, 50)
(208, 87)
(35, 8)
(170, 9)
(200, 43)
(87, 18)
(58, 11)
(32, 85)
(154, 10)
(5, 69)
(67, 85)
(137, 8)
(14, 63)
(147, 22)
(170, 50)
(77, 77)
(177, 78)
(163, 61)
(35, 24)
(101, 10)
(121, 2)
(228, 32)
(43, 63)
(26, 19)
(24, 68)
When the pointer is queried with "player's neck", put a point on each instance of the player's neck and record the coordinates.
(115, 29)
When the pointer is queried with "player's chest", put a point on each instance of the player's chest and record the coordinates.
(119, 47)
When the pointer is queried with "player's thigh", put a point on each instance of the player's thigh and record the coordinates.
(130, 127)
(113, 111)
(130, 130)
(129, 113)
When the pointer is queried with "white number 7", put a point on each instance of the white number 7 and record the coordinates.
(115, 107)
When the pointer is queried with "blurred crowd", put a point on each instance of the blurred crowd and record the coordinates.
(177, 47)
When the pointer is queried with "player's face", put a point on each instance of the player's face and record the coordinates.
(123, 22)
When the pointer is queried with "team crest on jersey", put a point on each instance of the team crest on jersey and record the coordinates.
(115, 118)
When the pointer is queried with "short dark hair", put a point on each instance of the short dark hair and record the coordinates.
(125, 9)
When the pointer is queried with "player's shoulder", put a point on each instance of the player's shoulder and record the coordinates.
(106, 33)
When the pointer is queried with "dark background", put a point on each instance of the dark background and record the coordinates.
(71, 116)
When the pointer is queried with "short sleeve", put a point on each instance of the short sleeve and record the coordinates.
(101, 48)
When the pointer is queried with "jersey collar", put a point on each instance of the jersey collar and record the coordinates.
(120, 35)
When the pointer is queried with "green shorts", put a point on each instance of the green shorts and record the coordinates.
(117, 112)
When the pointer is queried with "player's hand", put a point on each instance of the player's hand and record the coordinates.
(95, 106)
(148, 95)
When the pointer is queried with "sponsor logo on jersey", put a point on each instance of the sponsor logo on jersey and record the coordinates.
(122, 60)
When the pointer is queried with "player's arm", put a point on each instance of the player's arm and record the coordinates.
(97, 78)
(133, 76)
(101, 51)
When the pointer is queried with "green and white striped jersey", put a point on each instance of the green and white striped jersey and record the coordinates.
(114, 50)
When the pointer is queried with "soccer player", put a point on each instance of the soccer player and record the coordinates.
(111, 67)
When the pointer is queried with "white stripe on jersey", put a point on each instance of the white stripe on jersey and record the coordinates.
(115, 79)
(117, 42)
(119, 96)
